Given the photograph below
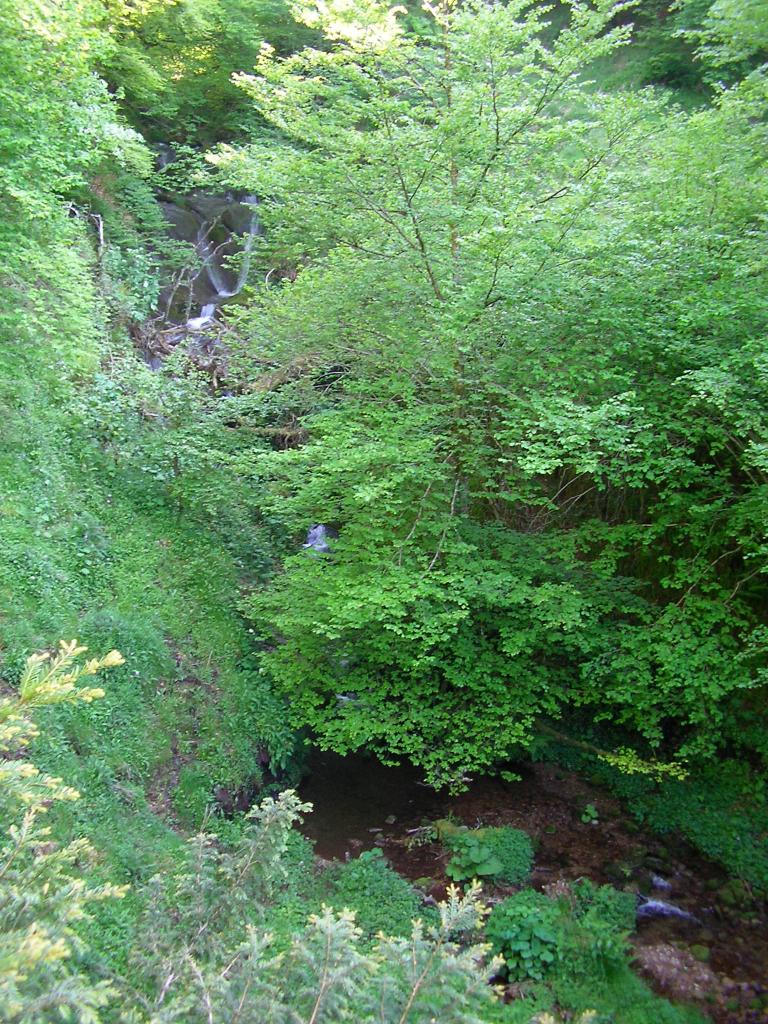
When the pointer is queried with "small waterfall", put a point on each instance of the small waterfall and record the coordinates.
(207, 313)
(210, 267)
(317, 539)
(221, 229)
(209, 253)
(165, 154)
(254, 230)
(662, 884)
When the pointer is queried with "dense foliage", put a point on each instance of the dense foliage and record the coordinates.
(537, 314)
(219, 936)
(504, 335)
(502, 854)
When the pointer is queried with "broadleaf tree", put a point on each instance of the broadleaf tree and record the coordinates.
(514, 330)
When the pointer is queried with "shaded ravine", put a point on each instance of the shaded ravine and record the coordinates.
(692, 941)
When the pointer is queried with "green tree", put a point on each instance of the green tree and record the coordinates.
(509, 287)
(171, 61)
(728, 32)
(325, 974)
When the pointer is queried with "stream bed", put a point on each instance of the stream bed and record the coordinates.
(709, 948)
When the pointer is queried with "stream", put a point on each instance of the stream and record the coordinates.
(218, 235)
(693, 942)
(218, 228)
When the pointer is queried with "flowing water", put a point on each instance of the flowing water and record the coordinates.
(221, 231)
(214, 271)
(360, 804)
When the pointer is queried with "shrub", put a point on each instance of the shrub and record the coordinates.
(604, 903)
(46, 888)
(383, 901)
(582, 935)
(501, 854)
(524, 931)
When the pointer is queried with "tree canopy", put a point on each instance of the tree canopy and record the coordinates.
(537, 390)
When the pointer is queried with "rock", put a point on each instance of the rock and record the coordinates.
(676, 972)
(185, 224)
(210, 208)
(166, 154)
(616, 872)
(655, 863)
(390, 819)
(238, 217)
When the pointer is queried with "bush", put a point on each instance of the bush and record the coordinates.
(575, 949)
(501, 854)
(582, 935)
(382, 900)
(602, 902)
(524, 931)
(721, 808)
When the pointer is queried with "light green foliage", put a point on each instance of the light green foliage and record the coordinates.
(728, 31)
(582, 935)
(522, 929)
(105, 533)
(202, 946)
(590, 815)
(206, 958)
(526, 349)
(173, 60)
(500, 854)
(615, 908)
(722, 810)
(622, 998)
(471, 858)
(196, 914)
(46, 887)
(593, 931)
(511, 345)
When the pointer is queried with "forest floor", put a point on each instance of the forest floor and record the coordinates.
(719, 961)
